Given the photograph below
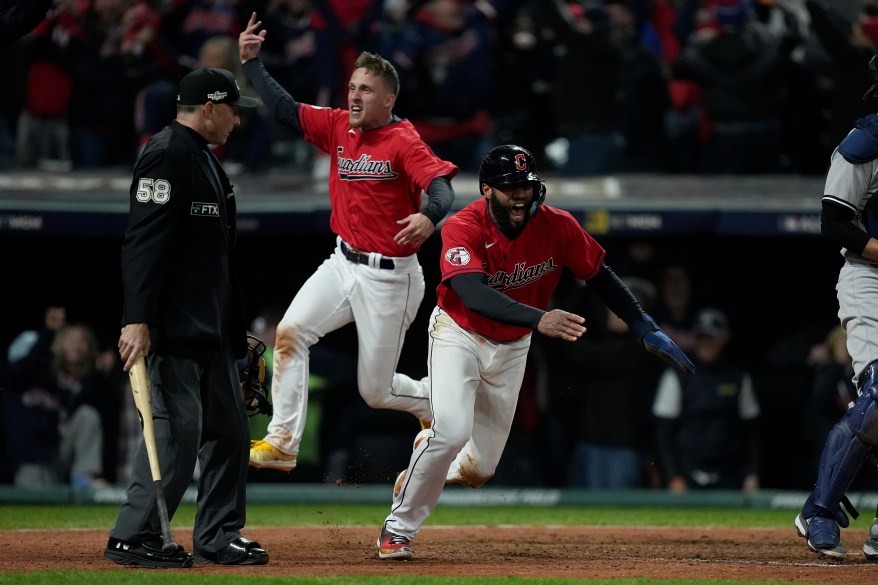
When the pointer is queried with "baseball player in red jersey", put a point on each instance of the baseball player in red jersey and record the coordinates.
(502, 257)
(379, 169)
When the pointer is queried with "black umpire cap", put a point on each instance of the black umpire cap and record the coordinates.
(212, 85)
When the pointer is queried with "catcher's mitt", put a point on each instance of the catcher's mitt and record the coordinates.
(252, 375)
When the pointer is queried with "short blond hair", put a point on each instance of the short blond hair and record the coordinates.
(378, 65)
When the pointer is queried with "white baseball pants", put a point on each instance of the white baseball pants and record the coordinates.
(383, 303)
(474, 392)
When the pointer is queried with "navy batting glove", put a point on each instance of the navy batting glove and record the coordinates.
(658, 343)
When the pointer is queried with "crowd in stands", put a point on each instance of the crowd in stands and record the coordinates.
(591, 86)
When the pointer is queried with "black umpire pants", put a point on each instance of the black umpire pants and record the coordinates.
(198, 415)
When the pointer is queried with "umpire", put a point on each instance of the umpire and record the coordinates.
(183, 309)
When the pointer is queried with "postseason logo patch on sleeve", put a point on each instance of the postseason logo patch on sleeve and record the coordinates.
(204, 209)
(457, 256)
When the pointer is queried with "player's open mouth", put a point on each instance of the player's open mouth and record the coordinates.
(356, 109)
(516, 212)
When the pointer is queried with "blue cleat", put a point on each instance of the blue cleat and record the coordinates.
(823, 534)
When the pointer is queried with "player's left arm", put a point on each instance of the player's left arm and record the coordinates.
(417, 227)
(619, 299)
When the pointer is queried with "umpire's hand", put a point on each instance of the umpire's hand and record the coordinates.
(133, 342)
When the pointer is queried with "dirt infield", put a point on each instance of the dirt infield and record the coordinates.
(569, 552)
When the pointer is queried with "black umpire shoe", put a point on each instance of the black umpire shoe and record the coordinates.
(146, 554)
(241, 551)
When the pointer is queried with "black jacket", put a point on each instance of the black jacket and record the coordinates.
(178, 270)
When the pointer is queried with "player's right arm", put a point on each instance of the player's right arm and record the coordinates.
(479, 297)
(278, 101)
(847, 206)
(838, 225)
(156, 207)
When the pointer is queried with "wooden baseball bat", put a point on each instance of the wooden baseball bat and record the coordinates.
(143, 402)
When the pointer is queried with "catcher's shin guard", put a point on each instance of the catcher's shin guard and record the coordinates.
(848, 444)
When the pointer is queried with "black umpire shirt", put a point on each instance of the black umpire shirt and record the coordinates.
(178, 270)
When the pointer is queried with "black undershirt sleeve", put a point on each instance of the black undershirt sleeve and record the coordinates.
(618, 298)
(837, 225)
(440, 196)
(479, 297)
(280, 103)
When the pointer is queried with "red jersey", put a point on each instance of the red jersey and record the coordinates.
(376, 177)
(526, 269)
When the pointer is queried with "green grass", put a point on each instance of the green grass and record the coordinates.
(96, 517)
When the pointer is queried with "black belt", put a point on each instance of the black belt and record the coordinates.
(360, 258)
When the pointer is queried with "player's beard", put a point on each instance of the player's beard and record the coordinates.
(500, 214)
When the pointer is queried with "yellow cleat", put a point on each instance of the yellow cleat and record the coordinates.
(266, 456)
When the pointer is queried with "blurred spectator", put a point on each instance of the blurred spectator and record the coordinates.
(640, 258)
(607, 397)
(109, 66)
(59, 405)
(187, 24)
(347, 28)
(584, 86)
(13, 69)
(520, 92)
(249, 146)
(675, 310)
(178, 33)
(609, 88)
(445, 67)
(30, 410)
(19, 17)
(707, 432)
(293, 55)
(302, 62)
(849, 43)
(803, 118)
(833, 389)
(643, 92)
(661, 15)
(687, 126)
(43, 133)
(250, 143)
(737, 67)
(531, 456)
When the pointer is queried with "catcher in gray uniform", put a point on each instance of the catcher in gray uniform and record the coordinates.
(849, 219)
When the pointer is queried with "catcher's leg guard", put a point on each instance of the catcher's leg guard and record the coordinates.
(846, 448)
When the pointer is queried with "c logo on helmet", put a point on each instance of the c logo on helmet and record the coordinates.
(521, 161)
